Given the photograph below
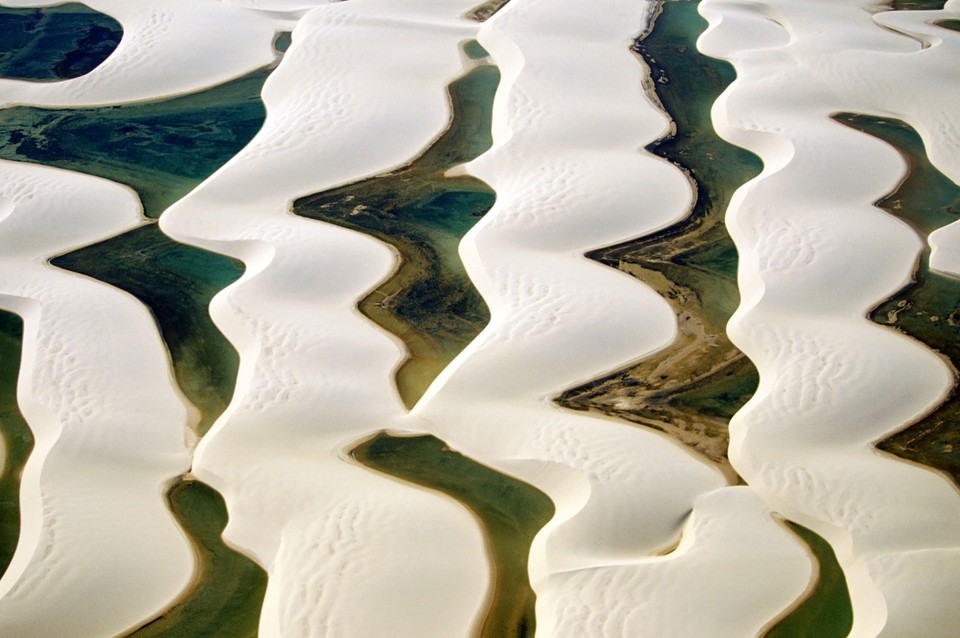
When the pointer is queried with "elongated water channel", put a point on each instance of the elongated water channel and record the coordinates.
(429, 302)
(162, 150)
(691, 388)
(511, 513)
(929, 308)
(15, 436)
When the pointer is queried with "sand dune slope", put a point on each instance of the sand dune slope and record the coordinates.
(816, 257)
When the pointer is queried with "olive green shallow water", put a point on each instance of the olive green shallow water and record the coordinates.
(929, 308)
(429, 302)
(511, 513)
(229, 591)
(15, 435)
(690, 389)
(826, 612)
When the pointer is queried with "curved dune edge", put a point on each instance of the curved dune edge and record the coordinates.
(349, 552)
(816, 256)
(109, 423)
(158, 37)
(568, 122)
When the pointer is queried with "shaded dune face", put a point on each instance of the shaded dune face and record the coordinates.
(429, 302)
(690, 389)
(55, 43)
(928, 309)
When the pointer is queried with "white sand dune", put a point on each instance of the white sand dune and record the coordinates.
(168, 47)
(648, 539)
(99, 549)
(348, 552)
(569, 121)
(816, 257)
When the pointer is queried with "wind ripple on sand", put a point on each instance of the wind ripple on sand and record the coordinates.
(349, 552)
(110, 425)
(568, 122)
(816, 257)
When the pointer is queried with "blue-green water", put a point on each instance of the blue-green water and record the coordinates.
(161, 149)
(230, 588)
(55, 43)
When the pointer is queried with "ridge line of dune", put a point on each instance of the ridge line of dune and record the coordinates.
(570, 118)
(367, 552)
(107, 440)
(832, 383)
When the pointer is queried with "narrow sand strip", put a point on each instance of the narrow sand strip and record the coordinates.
(98, 548)
(349, 552)
(816, 256)
(568, 122)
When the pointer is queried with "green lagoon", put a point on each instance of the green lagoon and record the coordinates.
(511, 513)
(928, 309)
(827, 611)
(429, 302)
(228, 590)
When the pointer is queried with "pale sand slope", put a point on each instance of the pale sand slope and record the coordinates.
(815, 257)
(349, 552)
(99, 550)
(169, 47)
(569, 121)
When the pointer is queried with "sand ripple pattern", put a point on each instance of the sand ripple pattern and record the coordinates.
(110, 426)
(817, 256)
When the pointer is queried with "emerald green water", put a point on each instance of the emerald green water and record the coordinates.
(953, 25)
(510, 511)
(15, 434)
(692, 263)
(55, 43)
(430, 302)
(827, 611)
(162, 150)
(929, 308)
(228, 595)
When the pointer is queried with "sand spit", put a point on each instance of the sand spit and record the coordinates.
(816, 256)
(110, 426)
